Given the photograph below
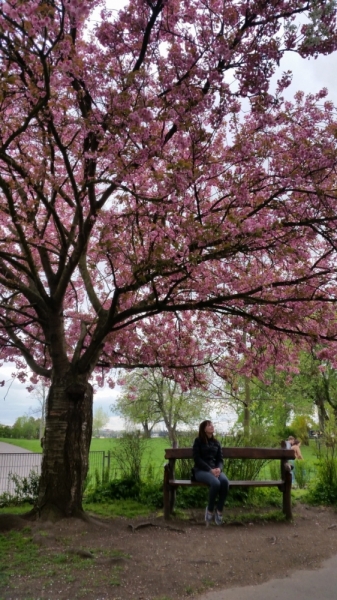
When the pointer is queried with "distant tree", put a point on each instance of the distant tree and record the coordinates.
(6, 431)
(299, 427)
(273, 401)
(149, 397)
(100, 419)
(137, 407)
(317, 381)
(26, 427)
(40, 393)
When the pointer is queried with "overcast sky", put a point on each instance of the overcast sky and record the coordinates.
(309, 76)
(16, 401)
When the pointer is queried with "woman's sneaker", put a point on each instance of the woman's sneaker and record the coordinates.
(218, 518)
(208, 516)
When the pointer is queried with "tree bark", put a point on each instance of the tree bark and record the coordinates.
(66, 447)
(323, 416)
(246, 410)
(146, 430)
(172, 434)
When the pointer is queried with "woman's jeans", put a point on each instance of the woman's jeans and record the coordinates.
(217, 486)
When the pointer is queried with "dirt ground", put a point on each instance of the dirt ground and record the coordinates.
(122, 559)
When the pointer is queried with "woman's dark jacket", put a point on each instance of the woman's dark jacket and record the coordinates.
(207, 456)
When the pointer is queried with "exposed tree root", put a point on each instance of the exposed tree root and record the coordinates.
(150, 524)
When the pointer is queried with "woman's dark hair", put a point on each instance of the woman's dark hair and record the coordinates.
(202, 434)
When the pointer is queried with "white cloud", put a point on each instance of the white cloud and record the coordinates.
(310, 75)
(116, 423)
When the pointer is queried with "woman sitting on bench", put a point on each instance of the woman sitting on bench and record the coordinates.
(208, 465)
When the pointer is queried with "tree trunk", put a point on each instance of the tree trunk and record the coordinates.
(66, 447)
(246, 410)
(43, 413)
(322, 413)
(146, 430)
(172, 434)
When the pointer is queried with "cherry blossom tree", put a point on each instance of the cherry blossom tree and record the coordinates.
(144, 221)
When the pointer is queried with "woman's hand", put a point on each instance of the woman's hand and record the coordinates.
(216, 472)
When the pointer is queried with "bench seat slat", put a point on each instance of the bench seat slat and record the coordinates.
(237, 483)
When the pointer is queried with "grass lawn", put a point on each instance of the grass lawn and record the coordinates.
(126, 508)
(16, 510)
(156, 446)
(309, 453)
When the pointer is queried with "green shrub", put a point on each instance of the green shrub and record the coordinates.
(302, 473)
(300, 426)
(324, 488)
(183, 466)
(275, 470)
(268, 497)
(193, 497)
(7, 499)
(26, 489)
(246, 469)
(151, 494)
(124, 488)
(260, 497)
(129, 452)
(117, 489)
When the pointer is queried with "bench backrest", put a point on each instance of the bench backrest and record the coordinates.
(245, 452)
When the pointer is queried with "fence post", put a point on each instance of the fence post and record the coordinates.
(106, 457)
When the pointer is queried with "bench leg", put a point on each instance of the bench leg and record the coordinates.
(166, 503)
(166, 494)
(173, 493)
(287, 496)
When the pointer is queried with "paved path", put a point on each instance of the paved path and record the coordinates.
(11, 449)
(19, 461)
(320, 584)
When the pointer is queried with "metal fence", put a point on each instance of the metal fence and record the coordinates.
(17, 464)
(22, 464)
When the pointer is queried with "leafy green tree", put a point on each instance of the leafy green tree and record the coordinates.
(137, 404)
(300, 426)
(100, 420)
(149, 398)
(5, 431)
(26, 427)
(272, 402)
(40, 393)
(317, 381)
(289, 396)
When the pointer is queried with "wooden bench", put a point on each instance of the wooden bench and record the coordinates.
(283, 484)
